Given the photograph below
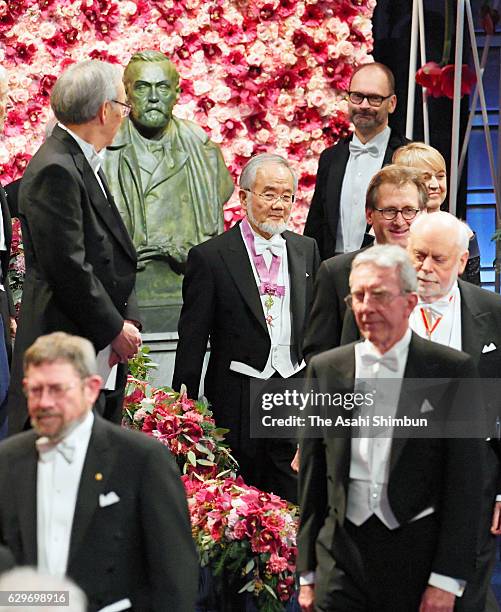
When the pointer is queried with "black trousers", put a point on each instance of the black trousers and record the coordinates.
(376, 569)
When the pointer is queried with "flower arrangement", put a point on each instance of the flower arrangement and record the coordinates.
(438, 78)
(267, 75)
(16, 263)
(248, 535)
(185, 426)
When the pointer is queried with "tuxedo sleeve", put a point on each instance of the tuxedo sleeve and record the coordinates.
(316, 220)
(312, 492)
(170, 555)
(54, 215)
(195, 322)
(323, 331)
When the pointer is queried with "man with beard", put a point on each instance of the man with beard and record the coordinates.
(169, 182)
(336, 218)
(249, 291)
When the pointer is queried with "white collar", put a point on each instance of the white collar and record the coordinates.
(94, 158)
(398, 349)
(380, 141)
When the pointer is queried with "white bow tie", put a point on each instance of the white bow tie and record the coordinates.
(275, 244)
(438, 308)
(47, 449)
(359, 149)
(388, 361)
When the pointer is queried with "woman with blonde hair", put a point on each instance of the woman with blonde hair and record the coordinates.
(432, 164)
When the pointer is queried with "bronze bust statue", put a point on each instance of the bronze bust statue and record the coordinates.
(170, 183)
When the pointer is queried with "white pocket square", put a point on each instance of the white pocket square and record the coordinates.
(307, 275)
(108, 499)
(426, 407)
(489, 347)
(118, 606)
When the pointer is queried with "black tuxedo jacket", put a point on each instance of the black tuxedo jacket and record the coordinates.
(480, 328)
(80, 260)
(325, 324)
(6, 304)
(139, 547)
(444, 473)
(323, 216)
(221, 302)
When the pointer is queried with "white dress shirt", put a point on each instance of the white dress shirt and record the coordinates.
(359, 171)
(280, 331)
(57, 488)
(447, 311)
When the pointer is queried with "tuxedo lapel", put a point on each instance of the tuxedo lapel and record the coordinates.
(334, 185)
(237, 261)
(474, 323)
(297, 277)
(24, 488)
(97, 467)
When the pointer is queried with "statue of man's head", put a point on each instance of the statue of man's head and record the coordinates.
(152, 85)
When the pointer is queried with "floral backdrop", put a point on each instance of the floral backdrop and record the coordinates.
(258, 75)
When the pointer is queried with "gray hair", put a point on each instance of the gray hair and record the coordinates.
(249, 171)
(81, 90)
(389, 256)
(60, 346)
(30, 579)
(448, 223)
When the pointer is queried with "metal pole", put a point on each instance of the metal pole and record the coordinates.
(411, 85)
(497, 261)
(422, 41)
(456, 107)
(483, 106)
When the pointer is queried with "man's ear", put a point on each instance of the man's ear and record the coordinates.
(392, 104)
(463, 260)
(242, 195)
(103, 111)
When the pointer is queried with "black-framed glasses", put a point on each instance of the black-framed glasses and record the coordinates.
(125, 108)
(408, 212)
(382, 298)
(373, 99)
(273, 198)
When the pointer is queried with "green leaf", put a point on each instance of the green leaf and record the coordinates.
(250, 566)
(247, 587)
(192, 458)
(205, 462)
(270, 590)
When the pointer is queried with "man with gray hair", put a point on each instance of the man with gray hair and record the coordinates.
(80, 260)
(249, 292)
(68, 506)
(463, 316)
(389, 523)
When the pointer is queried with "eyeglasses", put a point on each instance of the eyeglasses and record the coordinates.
(381, 298)
(125, 108)
(407, 213)
(56, 391)
(373, 99)
(273, 198)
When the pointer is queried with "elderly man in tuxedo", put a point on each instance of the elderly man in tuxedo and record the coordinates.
(465, 317)
(336, 218)
(393, 200)
(68, 505)
(80, 260)
(390, 524)
(249, 291)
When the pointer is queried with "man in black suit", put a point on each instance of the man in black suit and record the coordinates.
(68, 505)
(465, 317)
(392, 189)
(7, 311)
(390, 523)
(80, 260)
(249, 292)
(336, 217)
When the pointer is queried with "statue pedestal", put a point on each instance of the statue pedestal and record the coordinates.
(163, 352)
(158, 290)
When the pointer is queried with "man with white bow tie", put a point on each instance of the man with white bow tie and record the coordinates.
(249, 291)
(69, 507)
(336, 218)
(389, 523)
(465, 317)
